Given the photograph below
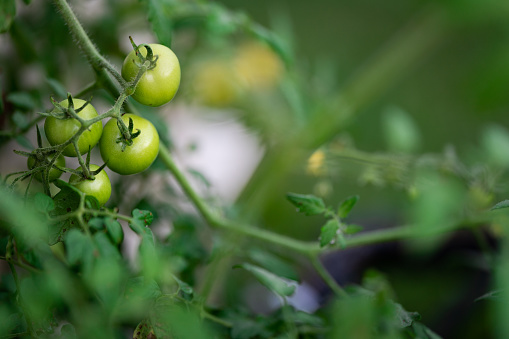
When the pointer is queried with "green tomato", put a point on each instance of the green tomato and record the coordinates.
(53, 172)
(136, 157)
(59, 131)
(157, 86)
(100, 187)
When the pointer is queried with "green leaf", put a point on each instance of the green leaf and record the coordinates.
(502, 204)
(400, 131)
(7, 14)
(142, 288)
(105, 247)
(114, 230)
(96, 224)
(329, 232)
(405, 318)
(68, 331)
(20, 120)
(495, 141)
(273, 263)
(170, 320)
(67, 200)
(352, 229)
(423, 332)
(246, 328)
(307, 204)
(160, 21)
(57, 88)
(490, 295)
(143, 330)
(183, 286)
(276, 284)
(141, 219)
(23, 141)
(92, 202)
(77, 246)
(346, 206)
(43, 203)
(22, 100)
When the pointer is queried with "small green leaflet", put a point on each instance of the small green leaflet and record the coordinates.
(307, 204)
(276, 284)
(57, 88)
(67, 200)
(329, 232)
(183, 286)
(352, 229)
(22, 100)
(7, 14)
(346, 206)
(143, 330)
(141, 219)
(157, 13)
(43, 203)
(502, 204)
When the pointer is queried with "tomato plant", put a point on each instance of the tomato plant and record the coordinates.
(53, 174)
(159, 84)
(169, 254)
(131, 158)
(99, 187)
(59, 131)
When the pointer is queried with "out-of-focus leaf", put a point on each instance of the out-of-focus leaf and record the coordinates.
(495, 141)
(68, 332)
(401, 132)
(57, 88)
(23, 141)
(20, 219)
(20, 120)
(77, 245)
(352, 229)
(423, 332)
(141, 219)
(502, 204)
(7, 14)
(22, 100)
(105, 247)
(490, 295)
(66, 200)
(170, 320)
(307, 204)
(114, 230)
(405, 318)
(273, 263)
(183, 286)
(43, 203)
(143, 330)
(273, 282)
(346, 206)
(159, 20)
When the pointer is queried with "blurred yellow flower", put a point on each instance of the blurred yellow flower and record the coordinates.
(316, 163)
(257, 66)
(215, 84)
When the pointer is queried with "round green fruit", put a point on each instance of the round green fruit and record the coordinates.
(158, 85)
(59, 131)
(100, 187)
(136, 157)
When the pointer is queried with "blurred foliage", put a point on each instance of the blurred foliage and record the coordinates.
(402, 103)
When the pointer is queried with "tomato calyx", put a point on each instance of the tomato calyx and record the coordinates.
(62, 113)
(126, 137)
(82, 176)
(150, 60)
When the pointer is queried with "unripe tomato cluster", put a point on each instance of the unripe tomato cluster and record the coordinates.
(156, 87)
